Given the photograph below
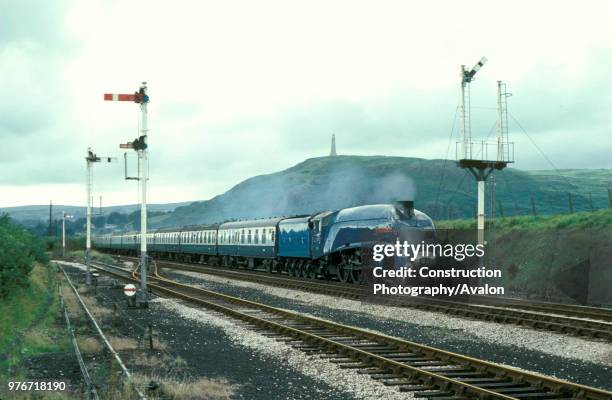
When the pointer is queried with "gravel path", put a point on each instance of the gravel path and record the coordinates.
(584, 361)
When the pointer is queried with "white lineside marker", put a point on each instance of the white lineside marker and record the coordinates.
(129, 290)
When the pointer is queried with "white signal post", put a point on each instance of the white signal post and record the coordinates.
(140, 145)
(480, 165)
(144, 162)
(64, 216)
(90, 159)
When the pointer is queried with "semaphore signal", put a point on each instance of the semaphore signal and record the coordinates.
(139, 145)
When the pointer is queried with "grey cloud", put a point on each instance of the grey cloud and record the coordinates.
(34, 21)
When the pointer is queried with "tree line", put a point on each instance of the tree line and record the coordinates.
(19, 250)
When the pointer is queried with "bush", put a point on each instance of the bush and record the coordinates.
(19, 250)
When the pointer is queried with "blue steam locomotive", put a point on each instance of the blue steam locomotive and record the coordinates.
(329, 244)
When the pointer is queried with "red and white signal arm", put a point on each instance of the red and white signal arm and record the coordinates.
(129, 290)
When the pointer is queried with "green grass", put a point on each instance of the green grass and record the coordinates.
(549, 255)
(579, 220)
(79, 255)
(26, 313)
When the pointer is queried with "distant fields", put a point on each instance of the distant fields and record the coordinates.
(578, 220)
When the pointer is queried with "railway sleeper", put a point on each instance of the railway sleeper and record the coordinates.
(515, 390)
(541, 395)
(386, 352)
(342, 360)
(340, 339)
(422, 362)
(374, 370)
(358, 365)
(313, 350)
(433, 394)
(473, 374)
(403, 357)
(476, 381)
(327, 334)
(396, 382)
(451, 398)
(374, 349)
(442, 370)
(378, 377)
(414, 388)
(507, 384)
(330, 355)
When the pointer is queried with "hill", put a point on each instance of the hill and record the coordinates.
(438, 187)
(33, 214)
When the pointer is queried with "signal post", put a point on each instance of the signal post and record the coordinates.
(140, 146)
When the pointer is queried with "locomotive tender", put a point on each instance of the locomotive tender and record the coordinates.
(327, 244)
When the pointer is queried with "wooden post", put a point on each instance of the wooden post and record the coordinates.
(570, 203)
(533, 207)
(501, 209)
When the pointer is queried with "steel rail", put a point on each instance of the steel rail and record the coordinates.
(573, 310)
(495, 313)
(108, 345)
(322, 331)
(91, 390)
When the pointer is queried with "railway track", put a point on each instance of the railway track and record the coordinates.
(426, 371)
(579, 321)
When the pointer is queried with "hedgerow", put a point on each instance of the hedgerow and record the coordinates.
(19, 250)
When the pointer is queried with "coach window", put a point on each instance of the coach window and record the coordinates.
(263, 236)
(256, 237)
(272, 235)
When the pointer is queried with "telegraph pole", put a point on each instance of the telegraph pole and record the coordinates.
(140, 146)
(90, 159)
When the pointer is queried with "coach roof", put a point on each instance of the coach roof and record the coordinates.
(252, 223)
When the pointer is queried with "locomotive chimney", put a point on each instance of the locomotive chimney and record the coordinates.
(407, 206)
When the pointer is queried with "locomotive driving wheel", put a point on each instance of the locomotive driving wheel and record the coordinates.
(344, 273)
(311, 271)
(355, 276)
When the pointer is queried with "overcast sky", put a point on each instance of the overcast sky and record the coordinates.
(244, 88)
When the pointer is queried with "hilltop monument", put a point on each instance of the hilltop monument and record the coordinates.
(333, 153)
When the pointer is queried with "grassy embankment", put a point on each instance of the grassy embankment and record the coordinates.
(27, 321)
(29, 305)
(552, 256)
